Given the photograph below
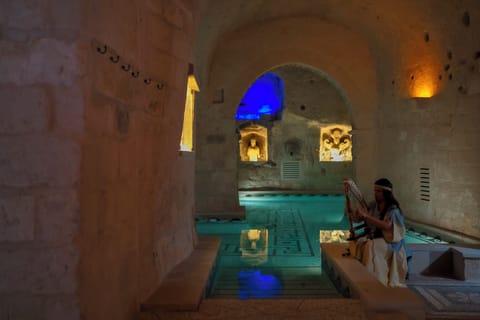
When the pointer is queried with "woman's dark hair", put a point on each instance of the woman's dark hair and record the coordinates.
(388, 196)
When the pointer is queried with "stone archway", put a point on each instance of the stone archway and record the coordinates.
(253, 50)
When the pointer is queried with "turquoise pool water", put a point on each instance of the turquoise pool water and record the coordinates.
(275, 251)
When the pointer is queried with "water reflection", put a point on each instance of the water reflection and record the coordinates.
(252, 284)
(328, 236)
(254, 246)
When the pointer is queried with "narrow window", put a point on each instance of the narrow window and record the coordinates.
(186, 141)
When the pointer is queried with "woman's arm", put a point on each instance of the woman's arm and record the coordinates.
(385, 224)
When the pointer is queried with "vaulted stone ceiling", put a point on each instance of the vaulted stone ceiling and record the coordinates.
(393, 29)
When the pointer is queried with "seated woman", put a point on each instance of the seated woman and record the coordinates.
(383, 251)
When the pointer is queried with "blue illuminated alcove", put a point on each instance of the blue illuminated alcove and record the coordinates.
(263, 98)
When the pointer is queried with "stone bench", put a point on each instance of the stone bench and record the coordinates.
(185, 285)
(378, 300)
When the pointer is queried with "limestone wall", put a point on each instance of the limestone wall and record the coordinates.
(41, 126)
(96, 201)
(438, 133)
(137, 217)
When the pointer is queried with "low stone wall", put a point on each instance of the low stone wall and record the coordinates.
(355, 281)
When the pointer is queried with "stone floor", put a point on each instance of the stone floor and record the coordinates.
(269, 309)
(447, 298)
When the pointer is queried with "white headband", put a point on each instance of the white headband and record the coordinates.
(383, 187)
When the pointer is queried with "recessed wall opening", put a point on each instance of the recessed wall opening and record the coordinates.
(263, 100)
(294, 127)
(253, 143)
(335, 143)
(186, 140)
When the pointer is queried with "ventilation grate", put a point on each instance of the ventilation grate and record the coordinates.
(424, 175)
(291, 170)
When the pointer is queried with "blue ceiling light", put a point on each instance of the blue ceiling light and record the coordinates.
(263, 98)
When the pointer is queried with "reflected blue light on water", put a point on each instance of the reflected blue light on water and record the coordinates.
(252, 284)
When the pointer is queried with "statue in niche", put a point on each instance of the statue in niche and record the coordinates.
(253, 143)
(253, 151)
(254, 246)
(336, 145)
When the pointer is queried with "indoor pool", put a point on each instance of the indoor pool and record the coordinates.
(275, 251)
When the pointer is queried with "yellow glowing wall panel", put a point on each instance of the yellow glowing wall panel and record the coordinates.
(186, 141)
(253, 143)
(335, 143)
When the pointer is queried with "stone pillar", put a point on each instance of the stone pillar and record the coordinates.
(41, 125)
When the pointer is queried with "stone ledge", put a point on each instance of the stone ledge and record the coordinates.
(376, 298)
(450, 261)
(184, 287)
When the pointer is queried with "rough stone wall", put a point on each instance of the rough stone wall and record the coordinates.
(96, 201)
(311, 102)
(439, 133)
(136, 186)
(41, 125)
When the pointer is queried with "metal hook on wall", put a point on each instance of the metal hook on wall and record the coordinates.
(102, 50)
(99, 46)
(115, 58)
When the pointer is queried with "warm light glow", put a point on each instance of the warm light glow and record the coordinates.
(424, 93)
(253, 143)
(254, 246)
(186, 141)
(253, 234)
(423, 83)
(424, 79)
(328, 236)
(335, 143)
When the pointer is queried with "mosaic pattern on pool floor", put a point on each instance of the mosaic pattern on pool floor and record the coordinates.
(288, 265)
(286, 233)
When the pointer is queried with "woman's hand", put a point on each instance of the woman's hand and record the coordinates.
(361, 214)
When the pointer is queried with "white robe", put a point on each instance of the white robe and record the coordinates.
(386, 257)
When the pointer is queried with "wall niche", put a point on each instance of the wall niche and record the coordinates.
(253, 143)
